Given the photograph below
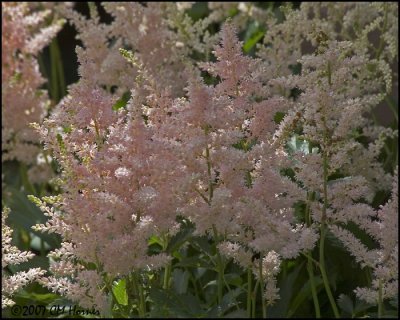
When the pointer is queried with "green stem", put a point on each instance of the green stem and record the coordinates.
(60, 69)
(323, 272)
(381, 42)
(310, 265)
(322, 241)
(42, 249)
(324, 209)
(392, 107)
(54, 73)
(368, 276)
(29, 187)
(229, 290)
(254, 298)
(43, 71)
(249, 287)
(167, 275)
(142, 301)
(210, 186)
(168, 267)
(380, 300)
(313, 287)
(264, 307)
(193, 280)
(139, 290)
(220, 266)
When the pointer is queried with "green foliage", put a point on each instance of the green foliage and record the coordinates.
(119, 291)
(122, 102)
(254, 33)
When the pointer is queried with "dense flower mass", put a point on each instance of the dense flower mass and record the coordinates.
(24, 35)
(11, 255)
(267, 150)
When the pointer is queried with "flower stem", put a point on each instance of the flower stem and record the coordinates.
(313, 288)
(139, 290)
(167, 275)
(55, 93)
(249, 287)
(310, 263)
(168, 267)
(322, 242)
(220, 267)
(254, 298)
(264, 307)
(383, 30)
(324, 209)
(380, 300)
(323, 272)
(60, 69)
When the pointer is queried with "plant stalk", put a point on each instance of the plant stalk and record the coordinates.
(324, 208)
(380, 300)
(264, 306)
(220, 267)
(167, 275)
(249, 287)
(310, 265)
(254, 299)
(139, 290)
(313, 288)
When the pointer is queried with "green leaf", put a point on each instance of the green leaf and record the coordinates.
(180, 280)
(122, 102)
(35, 262)
(233, 279)
(394, 302)
(60, 142)
(119, 291)
(346, 304)
(155, 240)
(298, 145)
(42, 298)
(278, 117)
(167, 303)
(236, 314)
(287, 285)
(254, 33)
(10, 178)
(194, 262)
(202, 244)
(228, 301)
(180, 238)
(24, 214)
(304, 294)
(67, 129)
(249, 44)
(36, 243)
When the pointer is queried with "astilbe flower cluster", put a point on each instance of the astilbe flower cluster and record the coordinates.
(163, 40)
(194, 173)
(384, 230)
(226, 151)
(288, 40)
(339, 85)
(215, 154)
(330, 115)
(11, 255)
(24, 35)
(106, 153)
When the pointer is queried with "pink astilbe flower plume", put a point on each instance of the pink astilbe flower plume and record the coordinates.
(23, 101)
(232, 182)
(11, 255)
